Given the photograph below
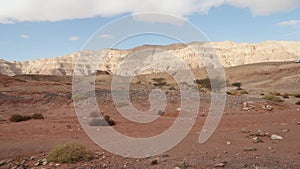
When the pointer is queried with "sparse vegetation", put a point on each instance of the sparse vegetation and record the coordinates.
(106, 121)
(238, 85)
(273, 98)
(237, 92)
(244, 92)
(19, 118)
(275, 93)
(233, 92)
(203, 83)
(297, 95)
(37, 116)
(159, 82)
(286, 95)
(69, 153)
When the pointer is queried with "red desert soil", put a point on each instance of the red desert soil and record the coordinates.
(22, 144)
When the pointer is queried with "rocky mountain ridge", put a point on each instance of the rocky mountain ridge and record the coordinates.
(229, 53)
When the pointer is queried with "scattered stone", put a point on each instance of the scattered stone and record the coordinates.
(244, 130)
(2, 162)
(183, 164)
(98, 154)
(285, 130)
(178, 109)
(251, 134)
(220, 164)
(23, 162)
(228, 143)
(267, 107)
(57, 165)
(260, 133)
(44, 161)
(298, 123)
(37, 164)
(32, 158)
(177, 167)
(249, 149)
(257, 140)
(276, 137)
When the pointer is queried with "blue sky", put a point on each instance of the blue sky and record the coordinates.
(28, 32)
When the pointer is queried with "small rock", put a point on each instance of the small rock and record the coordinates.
(228, 143)
(276, 137)
(177, 168)
(37, 164)
(178, 109)
(244, 130)
(57, 165)
(32, 158)
(285, 130)
(298, 123)
(44, 161)
(2, 162)
(183, 164)
(257, 140)
(260, 133)
(268, 107)
(220, 165)
(23, 162)
(250, 149)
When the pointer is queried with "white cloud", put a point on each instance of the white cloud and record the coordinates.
(289, 23)
(24, 36)
(105, 36)
(45, 10)
(73, 38)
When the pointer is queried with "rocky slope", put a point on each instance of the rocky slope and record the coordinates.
(230, 54)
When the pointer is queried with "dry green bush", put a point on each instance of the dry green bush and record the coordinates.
(297, 95)
(273, 98)
(69, 153)
(19, 118)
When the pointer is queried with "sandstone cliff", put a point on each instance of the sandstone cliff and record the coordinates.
(230, 54)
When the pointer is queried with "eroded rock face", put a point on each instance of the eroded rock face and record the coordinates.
(230, 54)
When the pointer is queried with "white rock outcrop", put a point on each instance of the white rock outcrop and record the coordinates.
(229, 53)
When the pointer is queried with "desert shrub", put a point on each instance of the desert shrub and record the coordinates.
(297, 95)
(106, 121)
(273, 98)
(243, 92)
(233, 92)
(37, 116)
(238, 85)
(298, 103)
(286, 95)
(69, 153)
(275, 93)
(18, 118)
(203, 82)
(159, 81)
